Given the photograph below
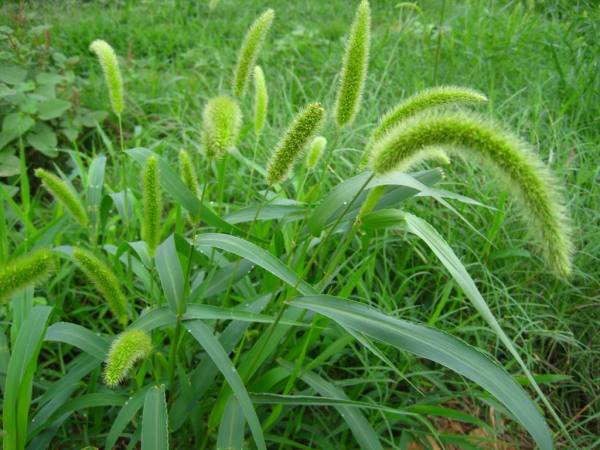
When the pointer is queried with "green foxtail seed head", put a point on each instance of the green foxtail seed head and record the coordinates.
(251, 46)
(422, 101)
(188, 172)
(112, 73)
(127, 348)
(354, 68)
(152, 202)
(64, 194)
(221, 120)
(105, 280)
(316, 149)
(296, 138)
(261, 100)
(468, 135)
(25, 271)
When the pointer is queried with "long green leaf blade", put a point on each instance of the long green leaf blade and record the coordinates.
(155, 421)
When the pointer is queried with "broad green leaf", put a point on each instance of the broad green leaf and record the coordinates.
(155, 421)
(437, 346)
(257, 255)
(170, 273)
(358, 424)
(80, 337)
(267, 212)
(19, 377)
(52, 108)
(9, 164)
(126, 414)
(217, 353)
(42, 138)
(14, 125)
(12, 74)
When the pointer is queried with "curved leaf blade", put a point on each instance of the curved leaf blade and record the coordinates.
(155, 421)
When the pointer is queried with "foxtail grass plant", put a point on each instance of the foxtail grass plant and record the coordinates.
(249, 51)
(105, 281)
(127, 348)
(24, 271)
(270, 293)
(64, 194)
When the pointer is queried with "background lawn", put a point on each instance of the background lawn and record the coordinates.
(537, 61)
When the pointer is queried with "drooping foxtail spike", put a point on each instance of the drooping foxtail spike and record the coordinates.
(261, 100)
(468, 135)
(24, 271)
(221, 122)
(127, 348)
(64, 194)
(315, 151)
(152, 202)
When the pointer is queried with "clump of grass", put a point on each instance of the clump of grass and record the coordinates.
(261, 100)
(64, 194)
(469, 135)
(25, 271)
(249, 50)
(290, 148)
(315, 151)
(152, 202)
(112, 73)
(354, 68)
(222, 119)
(127, 348)
(105, 280)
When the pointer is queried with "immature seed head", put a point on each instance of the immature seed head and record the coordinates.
(468, 135)
(64, 194)
(261, 100)
(354, 68)
(25, 271)
(296, 138)
(112, 74)
(152, 202)
(251, 46)
(221, 121)
(188, 172)
(127, 348)
(105, 280)
(315, 151)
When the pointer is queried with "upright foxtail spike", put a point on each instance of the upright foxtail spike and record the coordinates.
(290, 148)
(64, 194)
(249, 50)
(261, 100)
(127, 348)
(105, 280)
(470, 136)
(315, 151)
(152, 202)
(24, 271)
(112, 74)
(221, 122)
(188, 172)
(354, 68)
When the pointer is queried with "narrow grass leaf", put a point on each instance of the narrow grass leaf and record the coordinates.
(232, 427)
(80, 337)
(155, 420)
(170, 273)
(217, 353)
(126, 414)
(440, 347)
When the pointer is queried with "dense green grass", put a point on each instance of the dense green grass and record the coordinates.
(538, 66)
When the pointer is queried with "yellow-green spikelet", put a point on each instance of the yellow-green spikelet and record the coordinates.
(152, 202)
(467, 134)
(290, 148)
(315, 151)
(127, 348)
(104, 280)
(261, 100)
(249, 50)
(24, 271)
(64, 194)
(188, 173)
(354, 67)
(221, 122)
(112, 73)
